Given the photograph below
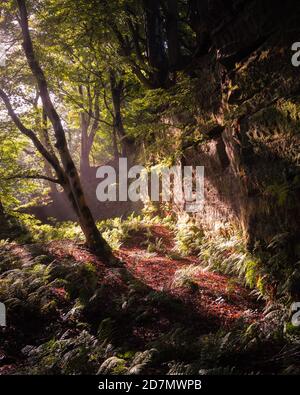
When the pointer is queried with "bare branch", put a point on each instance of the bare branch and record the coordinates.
(34, 177)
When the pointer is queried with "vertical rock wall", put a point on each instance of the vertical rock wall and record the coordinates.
(248, 95)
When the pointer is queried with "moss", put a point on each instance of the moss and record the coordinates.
(291, 329)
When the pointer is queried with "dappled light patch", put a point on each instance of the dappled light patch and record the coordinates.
(208, 293)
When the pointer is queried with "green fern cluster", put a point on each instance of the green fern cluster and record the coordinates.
(78, 354)
(228, 254)
(185, 277)
(117, 230)
(188, 236)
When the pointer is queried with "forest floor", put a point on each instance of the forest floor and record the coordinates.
(217, 297)
(157, 300)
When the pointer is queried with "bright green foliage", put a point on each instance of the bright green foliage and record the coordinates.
(188, 236)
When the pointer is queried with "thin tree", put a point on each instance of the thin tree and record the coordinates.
(64, 167)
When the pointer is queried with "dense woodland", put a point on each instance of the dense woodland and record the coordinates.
(128, 287)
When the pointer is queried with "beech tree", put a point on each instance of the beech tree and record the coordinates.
(63, 165)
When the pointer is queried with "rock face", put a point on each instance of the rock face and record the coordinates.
(248, 95)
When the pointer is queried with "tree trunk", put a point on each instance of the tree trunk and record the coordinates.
(85, 167)
(47, 168)
(1, 210)
(115, 144)
(116, 93)
(84, 148)
(155, 43)
(200, 22)
(172, 34)
(89, 121)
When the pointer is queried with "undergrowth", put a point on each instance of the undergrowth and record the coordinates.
(65, 320)
(264, 270)
(115, 231)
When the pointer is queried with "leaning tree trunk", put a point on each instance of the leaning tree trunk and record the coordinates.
(71, 182)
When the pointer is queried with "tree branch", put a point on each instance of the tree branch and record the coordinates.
(30, 134)
(34, 177)
(39, 75)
